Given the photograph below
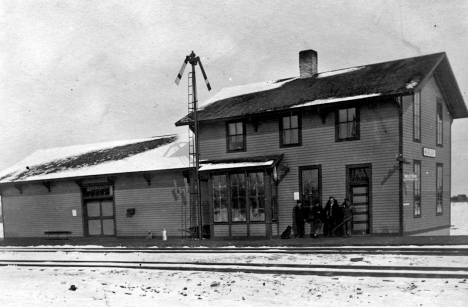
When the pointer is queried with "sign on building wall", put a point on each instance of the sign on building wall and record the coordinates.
(296, 196)
(410, 177)
(427, 152)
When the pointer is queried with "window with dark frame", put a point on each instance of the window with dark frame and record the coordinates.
(347, 124)
(236, 136)
(290, 130)
(417, 188)
(240, 197)
(256, 196)
(220, 205)
(439, 126)
(417, 117)
(439, 188)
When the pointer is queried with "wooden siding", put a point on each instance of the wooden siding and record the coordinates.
(378, 145)
(414, 151)
(156, 208)
(257, 230)
(239, 230)
(37, 210)
(221, 230)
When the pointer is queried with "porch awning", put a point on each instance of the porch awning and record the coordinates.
(249, 162)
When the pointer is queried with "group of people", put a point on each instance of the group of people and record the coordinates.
(333, 217)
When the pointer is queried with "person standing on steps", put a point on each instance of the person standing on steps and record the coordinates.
(317, 214)
(298, 217)
(332, 214)
(349, 212)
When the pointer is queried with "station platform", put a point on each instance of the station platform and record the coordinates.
(213, 243)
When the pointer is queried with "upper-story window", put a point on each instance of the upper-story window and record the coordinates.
(347, 124)
(236, 136)
(439, 133)
(290, 130)
(417, 117)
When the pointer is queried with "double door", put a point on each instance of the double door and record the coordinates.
(99, 217)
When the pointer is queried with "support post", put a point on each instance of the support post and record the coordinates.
(268, 209)
(197, 147)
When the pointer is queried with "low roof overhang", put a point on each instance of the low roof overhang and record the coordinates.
(240, 163)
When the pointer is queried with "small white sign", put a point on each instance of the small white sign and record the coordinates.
(410, 177)
(405, 204)
(427, 152)
(74, 212)
(296, 196)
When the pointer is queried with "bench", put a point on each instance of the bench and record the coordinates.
(57, 235)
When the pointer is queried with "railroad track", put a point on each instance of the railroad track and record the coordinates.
(426, 251)
(255, 268)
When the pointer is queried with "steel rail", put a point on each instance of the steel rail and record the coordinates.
(301, 250)
(257, 268)
(308, 266)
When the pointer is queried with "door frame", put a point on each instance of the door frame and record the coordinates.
(348, 190)
(84, 200)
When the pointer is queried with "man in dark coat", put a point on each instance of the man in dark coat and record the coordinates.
(333, 214)
(298, 215)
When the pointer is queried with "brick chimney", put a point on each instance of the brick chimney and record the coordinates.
(308, 63)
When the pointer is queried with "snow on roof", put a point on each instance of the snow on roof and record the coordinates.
(215, 166)
(338, 71)
(148, 154)
(331, 100)
(411, 84)
(269, 160)
(239, 90)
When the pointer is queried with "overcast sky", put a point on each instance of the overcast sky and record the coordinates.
(77, 72)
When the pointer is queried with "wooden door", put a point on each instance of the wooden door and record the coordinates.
(359, 191)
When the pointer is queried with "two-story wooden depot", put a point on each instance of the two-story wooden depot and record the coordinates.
(377, 134)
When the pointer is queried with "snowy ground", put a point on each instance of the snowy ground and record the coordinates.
(23, 286)
(459, 219)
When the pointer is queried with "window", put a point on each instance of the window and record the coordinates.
(103, 191)
(257, 196)
(238, 199)
(290, 130)
(417, 188)
(417, 117)
(241, 198)
(236, 136)
(439, 189)
(347, 124)
(439, 124)
(220, 206)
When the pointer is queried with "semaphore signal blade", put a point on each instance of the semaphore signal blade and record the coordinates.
(181, 72)
(204, 75)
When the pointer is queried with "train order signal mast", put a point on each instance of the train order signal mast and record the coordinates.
(193, 141)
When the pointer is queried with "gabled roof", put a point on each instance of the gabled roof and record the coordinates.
(142, 155)
(398, 77)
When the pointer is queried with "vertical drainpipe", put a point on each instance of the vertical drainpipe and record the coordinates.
(400, 161)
